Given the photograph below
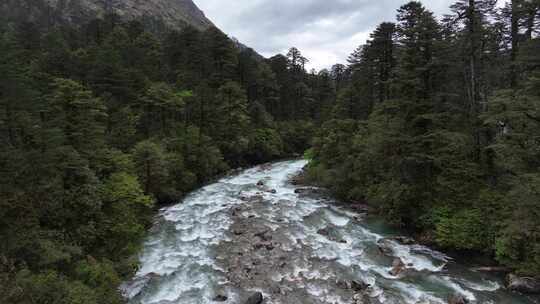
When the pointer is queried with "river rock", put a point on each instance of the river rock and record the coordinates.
(134, 288)
(310, 191)
(275, 289)
(256, 298)
(359, 286)
(523, 284)
(404, 240)
(385, 247)
(361, 298)
(301, 190)
(299, 179)
(343, 284)
(324, 232)
(359, 207)
(398, 267)
(491, 269)
(355, 285)
(263, 235)
(220, 298)
(457, 299)
(331, 234)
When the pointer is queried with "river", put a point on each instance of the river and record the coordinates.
(194, 251)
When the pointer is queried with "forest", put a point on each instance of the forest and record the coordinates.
(103, 124)
(434, 123)
(437, 127)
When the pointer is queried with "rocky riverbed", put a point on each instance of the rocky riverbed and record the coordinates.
(256, 237)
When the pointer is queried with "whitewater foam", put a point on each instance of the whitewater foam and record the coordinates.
(179, 262)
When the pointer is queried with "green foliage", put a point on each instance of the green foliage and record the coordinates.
(151, 167)
(465, 229)
(309, 154)
(127, 212)
(50, 287)
(230, 120)
(296, 135)
(519, 243)
(100, 124)
(162, 106)
(265, 144)
(452, 158)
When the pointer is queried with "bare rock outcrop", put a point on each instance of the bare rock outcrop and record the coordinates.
(173, 13)
(523, 284)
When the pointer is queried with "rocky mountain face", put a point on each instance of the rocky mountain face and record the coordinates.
(174, 13)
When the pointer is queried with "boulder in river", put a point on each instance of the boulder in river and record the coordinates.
(359, 207)
(362, 298)
(359, 286)
(385, 247)
(135, 287)
(275, 289)
(343, 284)
(355, 285)
(309, 191)
(299, 179)
(457, 299)
(301, 190)
(324, 231)
(398, 267)
(491, 269)
(523, 284)
(264, 235)
(331, 234)
(256, 298)
(404, 240)
(220, 298)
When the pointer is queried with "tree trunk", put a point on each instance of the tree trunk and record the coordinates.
(148, 177)
(532, 12)
(515, 43)
(9, 123)
(472, 59)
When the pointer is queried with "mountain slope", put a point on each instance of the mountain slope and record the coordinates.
(174, 13)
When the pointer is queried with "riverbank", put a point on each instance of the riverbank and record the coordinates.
(473, 260)
(257, 232)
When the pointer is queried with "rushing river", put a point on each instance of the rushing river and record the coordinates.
(183, 260)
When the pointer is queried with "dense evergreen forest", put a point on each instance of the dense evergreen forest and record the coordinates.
(433, 123)
(437, 127)
(101, 124)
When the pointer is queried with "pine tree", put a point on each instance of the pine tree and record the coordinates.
(162, 109)
(222, 56)
(229, 119)
(418, 32)
(79, 115)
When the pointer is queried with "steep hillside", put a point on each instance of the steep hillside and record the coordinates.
(174, 13)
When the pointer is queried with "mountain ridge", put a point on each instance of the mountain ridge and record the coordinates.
(174, 13)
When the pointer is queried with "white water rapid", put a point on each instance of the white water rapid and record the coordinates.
(183, 260)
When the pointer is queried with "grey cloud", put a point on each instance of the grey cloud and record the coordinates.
(325, 31)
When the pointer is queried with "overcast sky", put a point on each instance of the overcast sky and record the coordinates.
(325, 31)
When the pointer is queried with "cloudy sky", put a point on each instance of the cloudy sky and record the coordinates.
(326, 31)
